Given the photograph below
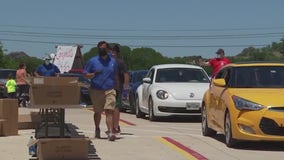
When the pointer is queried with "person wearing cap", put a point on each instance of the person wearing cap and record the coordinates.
(47, 68)
(217, 63)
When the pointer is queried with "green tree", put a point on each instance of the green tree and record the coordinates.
(9, 63)
(1, 56)
(281, 48)
(144, 58)
(125, 53)
(88, 55)
(31, 63)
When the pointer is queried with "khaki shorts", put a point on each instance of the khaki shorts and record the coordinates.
(103, 99)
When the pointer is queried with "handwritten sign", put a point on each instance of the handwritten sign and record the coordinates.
(64, 58)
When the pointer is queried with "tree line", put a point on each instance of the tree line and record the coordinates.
(144, 58)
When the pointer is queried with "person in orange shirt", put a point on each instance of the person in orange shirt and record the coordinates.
(23, 87)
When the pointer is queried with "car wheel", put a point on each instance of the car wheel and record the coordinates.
(139, 114)
(152, 116)
(230, 142)
(206, 131)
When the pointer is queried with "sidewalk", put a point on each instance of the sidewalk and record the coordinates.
(78, 120)
(139, 141)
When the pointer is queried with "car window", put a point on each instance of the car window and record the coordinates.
(259, 77)
(181, 75)
(151, 74)
(225, 73)
(227, 76)
(220, 74)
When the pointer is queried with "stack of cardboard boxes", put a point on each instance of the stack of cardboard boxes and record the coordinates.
(8, 117)
(58, 93)
(46, 92)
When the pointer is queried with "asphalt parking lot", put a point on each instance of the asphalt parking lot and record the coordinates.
(144, 140)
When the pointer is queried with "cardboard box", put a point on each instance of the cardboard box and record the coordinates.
(29, 121)
(55, 92)
(9, 111)
(1, 125)
(62, 149)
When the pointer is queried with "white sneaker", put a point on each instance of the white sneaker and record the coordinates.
(111, 137)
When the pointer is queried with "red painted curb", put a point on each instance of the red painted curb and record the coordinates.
(129, 123)
(186, 149)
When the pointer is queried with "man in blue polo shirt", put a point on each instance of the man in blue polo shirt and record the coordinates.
(47, 68)
(102, 70)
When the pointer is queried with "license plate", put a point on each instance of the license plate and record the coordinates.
(192, 106)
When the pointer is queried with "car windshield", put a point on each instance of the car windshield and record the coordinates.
(259, 77)
(181, 75)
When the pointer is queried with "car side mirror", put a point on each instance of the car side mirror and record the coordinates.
(147, 80)
(220, 82)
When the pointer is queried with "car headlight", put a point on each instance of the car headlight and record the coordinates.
(162, 94)
(243, 104)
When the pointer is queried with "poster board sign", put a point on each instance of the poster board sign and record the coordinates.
(64, 58)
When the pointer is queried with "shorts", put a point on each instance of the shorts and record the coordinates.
(103, 100)
(118, 103)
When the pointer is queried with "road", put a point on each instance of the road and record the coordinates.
(177, 139)
(168, 139)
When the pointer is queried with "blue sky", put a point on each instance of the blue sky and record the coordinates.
(171, 27)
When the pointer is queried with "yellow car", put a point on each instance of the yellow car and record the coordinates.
(245, 101)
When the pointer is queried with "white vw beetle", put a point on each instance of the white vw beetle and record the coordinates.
(171, 89)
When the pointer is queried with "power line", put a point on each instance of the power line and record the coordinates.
(147, 37)
(131, 36)
(140, 29)
(150, 46)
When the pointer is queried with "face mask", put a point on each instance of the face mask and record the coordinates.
(46, 62)
(102, 52)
